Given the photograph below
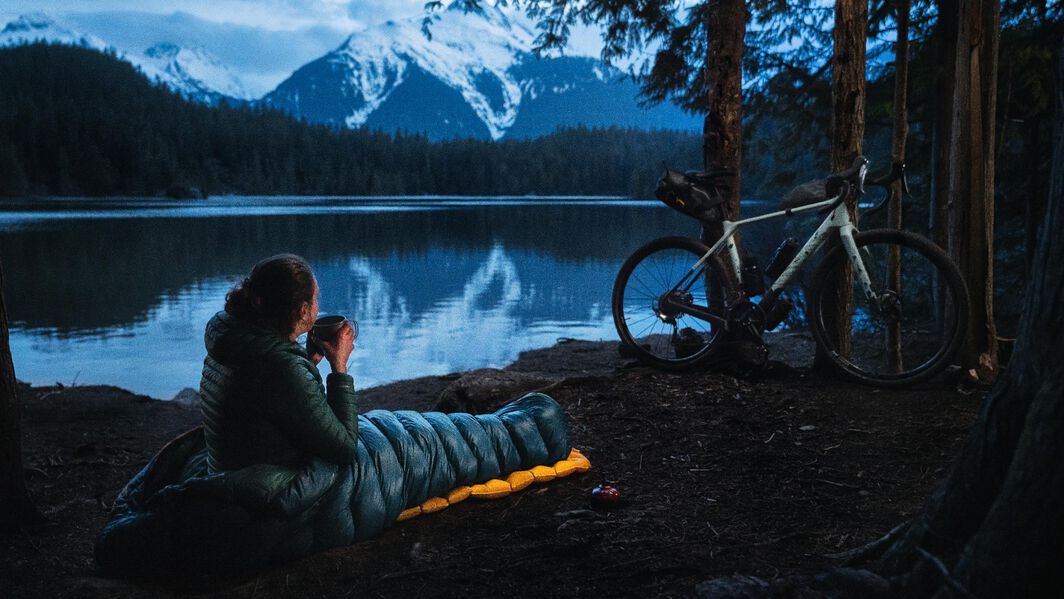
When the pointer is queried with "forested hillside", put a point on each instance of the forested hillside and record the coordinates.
(77, 122)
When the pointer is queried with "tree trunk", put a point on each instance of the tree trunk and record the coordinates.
(897, 154)
(16, 507)
(1056, 165)
(722, 132)
(945, 53)
(971, 181)
(847, 139)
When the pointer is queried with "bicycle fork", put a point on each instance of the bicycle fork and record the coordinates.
(860, 271)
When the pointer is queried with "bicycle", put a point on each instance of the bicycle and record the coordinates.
(675, 299)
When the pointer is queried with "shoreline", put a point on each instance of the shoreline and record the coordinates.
(594, 358)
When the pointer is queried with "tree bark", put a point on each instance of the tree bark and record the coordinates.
(722, 130)
(945, 44)
(1056, 165)
(897, 154)
(16, 507)
(971, 180)
(847, 140)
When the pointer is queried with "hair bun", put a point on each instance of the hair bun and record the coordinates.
(273, 293)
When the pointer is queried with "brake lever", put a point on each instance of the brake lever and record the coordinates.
(897, 170)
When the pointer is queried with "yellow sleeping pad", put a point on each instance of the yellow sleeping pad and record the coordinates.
(496, 488)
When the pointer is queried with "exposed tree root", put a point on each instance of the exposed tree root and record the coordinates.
(947, 578)
(872, 551)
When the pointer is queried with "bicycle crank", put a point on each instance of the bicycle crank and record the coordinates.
(746, 320)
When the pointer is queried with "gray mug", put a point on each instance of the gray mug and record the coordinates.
(325, 329)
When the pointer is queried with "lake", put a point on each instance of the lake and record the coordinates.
(118, 291)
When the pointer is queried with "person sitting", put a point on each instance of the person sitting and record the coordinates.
(263, 400)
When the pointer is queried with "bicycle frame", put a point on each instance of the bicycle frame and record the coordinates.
(839, 219)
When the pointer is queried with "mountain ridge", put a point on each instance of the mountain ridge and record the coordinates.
(192, 72)
(474, 76)
(477, 62)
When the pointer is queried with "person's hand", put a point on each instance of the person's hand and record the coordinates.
(339, 348)
(313, 349)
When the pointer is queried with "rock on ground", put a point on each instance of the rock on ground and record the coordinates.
(487, 389)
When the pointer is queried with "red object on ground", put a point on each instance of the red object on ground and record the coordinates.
(605, 497)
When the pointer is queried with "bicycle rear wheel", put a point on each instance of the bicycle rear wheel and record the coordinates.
(914, 329)
(656, 334)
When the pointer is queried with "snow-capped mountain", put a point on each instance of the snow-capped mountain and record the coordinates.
(191, 72)
(475, 77)
(39, 27)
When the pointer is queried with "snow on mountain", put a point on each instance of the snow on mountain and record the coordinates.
(39, 27)
(475, 76)
(191, 72)
(471, 53)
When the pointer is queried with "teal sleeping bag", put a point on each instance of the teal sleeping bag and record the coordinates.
(174, 516)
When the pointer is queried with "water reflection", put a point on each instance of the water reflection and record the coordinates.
(123, 298)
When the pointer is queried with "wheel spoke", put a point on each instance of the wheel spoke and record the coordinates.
(651, 273)
(645, 289)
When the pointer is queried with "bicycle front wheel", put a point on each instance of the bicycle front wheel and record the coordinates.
(657, 334)
(912, 326)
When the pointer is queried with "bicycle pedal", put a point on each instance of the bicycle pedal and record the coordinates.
(777, 314)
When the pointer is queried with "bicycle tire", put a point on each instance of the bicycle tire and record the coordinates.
(922, 263)
(641, 313)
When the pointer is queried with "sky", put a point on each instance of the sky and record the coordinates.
(262, 41)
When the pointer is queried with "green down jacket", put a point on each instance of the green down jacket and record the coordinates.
(280, 470)
(263, 401)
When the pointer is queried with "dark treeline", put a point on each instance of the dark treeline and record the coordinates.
(78, 122)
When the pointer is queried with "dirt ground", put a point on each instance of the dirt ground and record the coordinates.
(762, 475)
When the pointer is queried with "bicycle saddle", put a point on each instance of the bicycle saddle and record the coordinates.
(809, 192)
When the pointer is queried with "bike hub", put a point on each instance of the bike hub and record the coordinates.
(888, 306)
(668, 305)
